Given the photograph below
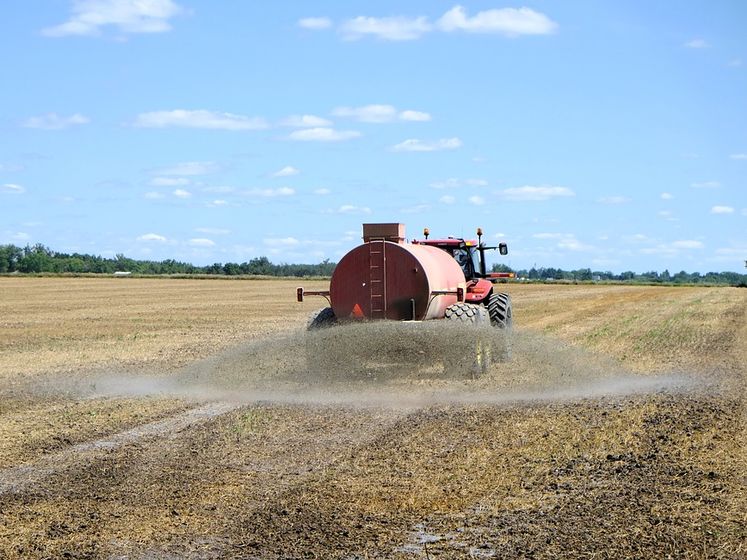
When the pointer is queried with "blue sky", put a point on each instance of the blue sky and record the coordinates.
(583, 134)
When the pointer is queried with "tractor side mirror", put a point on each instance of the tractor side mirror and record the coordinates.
(503, 248)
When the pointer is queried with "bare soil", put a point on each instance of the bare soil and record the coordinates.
(179, 419)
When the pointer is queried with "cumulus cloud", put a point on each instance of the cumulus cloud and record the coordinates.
(722, 210)
(738, 156)
(189, 168)
(397, 28)
(198, 119)
(283, 241)
(287, 171)
(152, 237)
(688, 244)
(706, 185)
(181, 193)
(201, 242)
(447, 199)
(127, 16)
(12, 188)
(415, 116)
(614, 200)
(270, 193)
(697, 44)
(315, 23)
(415, 145)
(351, 209)
(380, 114)
(476, 200)
(666, 196)
(154, 195)
(322, 191)
(323, 135)
(53, 121)
(536, 193)
(510, 22)
(305, 121)
(567, 241)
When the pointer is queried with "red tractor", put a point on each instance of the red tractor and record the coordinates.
(387, 278)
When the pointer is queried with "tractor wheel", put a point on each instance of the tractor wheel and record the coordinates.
(499, 308)
(322, 319)
(477, 355)
(501, 317)
(319, 344)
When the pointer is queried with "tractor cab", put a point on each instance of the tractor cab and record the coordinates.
(470, 254)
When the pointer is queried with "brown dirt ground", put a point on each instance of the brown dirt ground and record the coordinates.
(502, 468)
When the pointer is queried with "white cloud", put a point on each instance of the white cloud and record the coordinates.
(322, 192)
(20, 236)
(152, 237)
(735, 62)
(315, 23)
(380, 114)
(213, 231)
(12, 188)
(284, 241)
(169, 182)
(722, 210)
(323, 135)
(351, 209)
(287, 171)
(613, 200)
(53, 121)
(666, 196)
(270, 193)
(201, 242)
(368, 113)
(415, 116)
(181, 193)
(697, 44)
(198, 119)
(127, 16)
(536, 193)
(153, 195)
(218, 202)
(447, 199)
(476, 200)
(566, 241)
(189, 168)
(398, 28)
(305, 121)
(706, 185)
(688, 244)
(667, 215)
(738, 156)
(415, 145)
(510, 22)
(454, 183)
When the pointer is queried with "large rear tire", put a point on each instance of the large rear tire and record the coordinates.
(501, 317)
(477, 355)
(319, 360)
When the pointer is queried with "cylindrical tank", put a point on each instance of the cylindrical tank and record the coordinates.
(386, 280)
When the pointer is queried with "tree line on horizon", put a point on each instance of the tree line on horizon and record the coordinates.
(39, 259)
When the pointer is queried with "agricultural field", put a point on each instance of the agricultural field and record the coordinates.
(165, 418)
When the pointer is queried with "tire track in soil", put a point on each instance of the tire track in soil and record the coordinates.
(16, 479)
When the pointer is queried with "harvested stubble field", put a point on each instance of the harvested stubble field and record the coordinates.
(144, 418)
